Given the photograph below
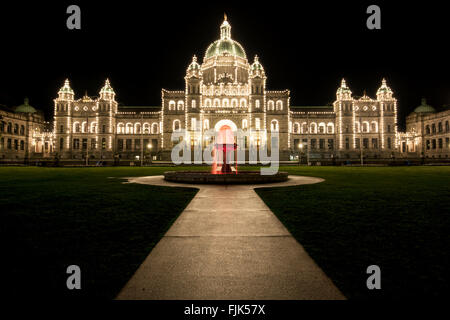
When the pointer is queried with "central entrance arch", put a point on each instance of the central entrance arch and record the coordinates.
(225, 122)
(225, 147)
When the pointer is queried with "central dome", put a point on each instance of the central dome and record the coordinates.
(225, 45)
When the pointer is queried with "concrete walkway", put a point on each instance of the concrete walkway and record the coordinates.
(227, 244)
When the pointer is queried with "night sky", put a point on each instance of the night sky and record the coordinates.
(306, 48)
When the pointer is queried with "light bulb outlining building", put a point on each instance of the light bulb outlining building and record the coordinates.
(226, 89)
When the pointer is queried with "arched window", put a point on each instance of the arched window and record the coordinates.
(433, 128)
(208, 103)
(322, 127)
(257, 104)
(129, 128)
(180, 105)
(171, 105)
(154, 128)
(9, 128)
(16, 128)
(440, 127)
(304, 127)
(243, 103)
(234, 103)
(76, 127)
(330, 127)
(313, 127)
(84, 128)
(137, 128)
(427, 129)
(374, 126)
(22, 129)
(279, 105)
(296, 127)
(216, 103)
(146, 127)
(270, 105)
(447, 128)
(176, 125)
(365, 126)
(357, 127)
(274, 125)
(120, 128)
(244, 124)
(94, 127)
(225, 103)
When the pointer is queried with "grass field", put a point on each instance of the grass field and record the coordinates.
(55, 217)
(394, 217)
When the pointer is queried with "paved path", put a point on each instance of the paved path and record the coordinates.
(227, 244)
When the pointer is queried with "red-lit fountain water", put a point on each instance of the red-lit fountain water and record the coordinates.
(225, 150)
(224, 166)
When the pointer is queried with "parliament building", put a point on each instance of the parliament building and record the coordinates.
(224, 89)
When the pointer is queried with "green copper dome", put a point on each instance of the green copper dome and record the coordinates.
(25, 107)
(225, 45)
(424, 108)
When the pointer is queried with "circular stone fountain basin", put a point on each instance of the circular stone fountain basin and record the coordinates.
(243, 177)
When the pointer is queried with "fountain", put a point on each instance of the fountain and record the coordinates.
(224, 167)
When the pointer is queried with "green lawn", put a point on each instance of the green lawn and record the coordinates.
(395, 217)
(54, 217)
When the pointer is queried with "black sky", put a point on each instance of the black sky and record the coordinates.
(143, 47)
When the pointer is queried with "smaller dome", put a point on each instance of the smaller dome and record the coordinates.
(25, 107)
(194, 66)
(343, 89)
(424, 108)
(106, 88)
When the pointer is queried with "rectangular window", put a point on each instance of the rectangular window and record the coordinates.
(357, 143)
(128, 144)
(389, 128)
(120, 144)
(61, 129)
(428, 144)
(103, 143)
(104, 129)
(84, 144)
(16, 144)
(154, 144)
(322, 144)
(137, 144)
(365, 143)
(440, 143)
(257, 124)
(347, 143)
(331, 144)
(313, 144)
(305, 144)
(447, 143)
(374, 143)
(296, 144)
(433, 143)
(93, 144)
(22, 145)
(61, 143)
(9, 144)
(193, 124)
(389, 142)
(76, 144)
(2, 143)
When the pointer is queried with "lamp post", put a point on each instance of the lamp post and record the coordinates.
(142, 141)
(300, 146)
(149, 146)
(361, 144)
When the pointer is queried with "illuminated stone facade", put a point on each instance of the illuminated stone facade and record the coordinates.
(226, 89)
